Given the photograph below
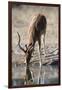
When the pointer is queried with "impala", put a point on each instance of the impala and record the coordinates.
(36, 29)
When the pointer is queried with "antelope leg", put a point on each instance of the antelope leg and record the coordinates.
(40, 52)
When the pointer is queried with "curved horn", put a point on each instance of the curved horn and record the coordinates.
(20, 45)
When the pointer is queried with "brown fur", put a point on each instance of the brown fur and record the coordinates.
(37, 28)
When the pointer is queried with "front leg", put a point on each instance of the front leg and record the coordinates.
(40, 52)
(44, 54)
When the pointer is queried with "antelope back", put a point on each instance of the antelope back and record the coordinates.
(40, 23)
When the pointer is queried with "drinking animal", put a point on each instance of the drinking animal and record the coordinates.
(36, 29)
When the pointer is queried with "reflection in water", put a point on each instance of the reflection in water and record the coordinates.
(47, 74)
(29, 76)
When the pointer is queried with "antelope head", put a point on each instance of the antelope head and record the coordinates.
(28, 50)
